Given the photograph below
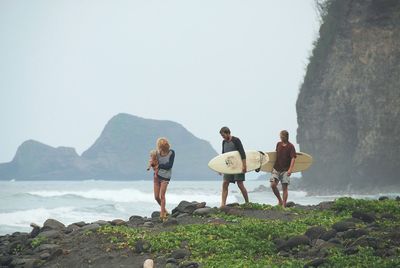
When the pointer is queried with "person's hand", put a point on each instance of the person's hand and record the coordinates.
(244, 169)
(289, 173)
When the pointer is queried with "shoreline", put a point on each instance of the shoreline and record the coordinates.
(313, 233)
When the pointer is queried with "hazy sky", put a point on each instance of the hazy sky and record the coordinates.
(67, 67)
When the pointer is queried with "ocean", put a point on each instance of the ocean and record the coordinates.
(25, 202)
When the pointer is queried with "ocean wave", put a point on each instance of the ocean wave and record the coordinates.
(133, 196)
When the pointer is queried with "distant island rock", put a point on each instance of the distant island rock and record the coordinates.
(120, 153)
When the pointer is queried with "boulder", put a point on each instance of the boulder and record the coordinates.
(180, 253)
(343, 226)
(90, 227)
(365, 217)
(204, 211)
(295, 241)
(118, 222)
(329, 235)
(170, 222)
(315, 232)
(52, 224)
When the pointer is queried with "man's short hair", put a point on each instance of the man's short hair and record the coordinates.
(225, 130)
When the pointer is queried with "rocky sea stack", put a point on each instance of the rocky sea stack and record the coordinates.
(349, 104)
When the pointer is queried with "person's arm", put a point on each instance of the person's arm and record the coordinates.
(223, 142)
(170, 162)
(239, 147)
(293, 156)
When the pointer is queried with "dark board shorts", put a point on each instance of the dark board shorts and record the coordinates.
(232, 178)
(160, 179)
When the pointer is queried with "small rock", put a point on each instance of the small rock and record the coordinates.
(187, 207)
(52, 234)
(290, 204)
(142, 246)
(90, 227)
(351, 250)
(203, 211)
(45, 256)
(315, 263)
(335, 241)
(155, 214)
(343, 226)
(80, 223)
(181, 215)
(172, 260)
(71, 228)
(51, 224)
(355, 233)
(259, 189)
(329, 234)
(48, 247)
(365, 217)
(382, 198)
(5, 260)
(118, 222)
(315, 232)
(149, 263)
(180, 253)
(148, 224)
(189, 264)
(295, 241)
(101, 222)
(170, 222)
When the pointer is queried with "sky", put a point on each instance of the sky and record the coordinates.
(67, 67)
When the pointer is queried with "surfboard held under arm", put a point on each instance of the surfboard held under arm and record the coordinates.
(231, 162)
(303, 162)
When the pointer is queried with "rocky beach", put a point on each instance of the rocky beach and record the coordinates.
(344, 232)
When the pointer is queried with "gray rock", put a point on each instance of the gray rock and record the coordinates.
(329, 235)
(172, 260)
(52, 234)
(101, 222)
(315, 232)
(148, 224)
(80, 223)
(315, 263)
(398, 198)
(118, 222)
(365, 217)
(354, 233)
(290, 204)
(343, 226)
(182, 215)
(203, 211)
(48, 247)
(170, 222)
(142, 246)
(90, 227)
(295, 241)
(335, 241)
(180, 253)
(171, 265)
(185, 207)
(52, 224)
(189, 264)
(71, 228)
(382, 198)
(155, 214)
(5, 260)
(45, 256)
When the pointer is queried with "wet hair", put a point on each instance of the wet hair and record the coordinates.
(225, 130)
(285, 134)
(163, 145)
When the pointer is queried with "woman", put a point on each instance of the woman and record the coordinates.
(165, 157)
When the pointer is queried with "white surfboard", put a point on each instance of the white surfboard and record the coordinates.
(303, 162)
(231, 162)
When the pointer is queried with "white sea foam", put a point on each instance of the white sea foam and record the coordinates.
(133, 195)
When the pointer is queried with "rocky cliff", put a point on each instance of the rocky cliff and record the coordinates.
(349, 103)
(121, 152)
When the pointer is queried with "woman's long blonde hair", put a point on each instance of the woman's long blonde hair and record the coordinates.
(163, 145)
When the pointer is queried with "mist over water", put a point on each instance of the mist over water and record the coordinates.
(24, 202)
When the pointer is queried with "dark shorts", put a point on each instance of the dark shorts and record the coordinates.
(232, 178)
(160, 179)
